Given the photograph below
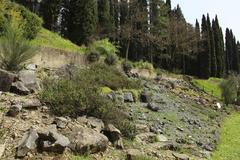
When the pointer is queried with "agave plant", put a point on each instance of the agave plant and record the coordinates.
(15, 50)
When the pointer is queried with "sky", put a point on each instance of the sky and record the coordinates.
(228, 12)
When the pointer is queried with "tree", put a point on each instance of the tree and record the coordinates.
(84, 19)
(105, 24)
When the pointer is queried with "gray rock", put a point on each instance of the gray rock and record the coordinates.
(85, 140)
(133, 154)
(6, 80)
(29, 80)
(14, 110)
(95, 123)
(154, 107)
(146, 137)
(161, 138)
(32, 67)
(128, 97)
(2, 149)
(27, 143)
(61, 122)
(145, 97)
(142, 128)
(19, 88)
(31, 104)
(180, 156)
(114, 135)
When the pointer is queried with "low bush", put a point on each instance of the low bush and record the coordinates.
(15, 50)
(111, 59)
(93, 56)
(127, 128)
(144, 65)
(29, 22)
(127, 66)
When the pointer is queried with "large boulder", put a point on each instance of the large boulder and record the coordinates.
(85, 140)
(28, 143)
(145, 97)
(14, 110)
(154, 107)
(6, 80)
(95, 123)
(128, 97)
(19, 88)
(133, 154)
(29, 79)
(114, 135)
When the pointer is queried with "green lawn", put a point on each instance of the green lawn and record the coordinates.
(210, 86)
(229, 146)
(46, 38)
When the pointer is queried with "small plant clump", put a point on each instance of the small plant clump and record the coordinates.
(111, 59)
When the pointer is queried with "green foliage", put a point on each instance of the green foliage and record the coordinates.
(21, 17)
(127, 66)
(103, 47)
(15, 50)
(229, 88)
(93, 56)
(111, 59)
(228, 147)
(144, 65)
(80, 158)
(142, 157)
(210, 86)
(127, 128)
(106, 90)
(45, 38)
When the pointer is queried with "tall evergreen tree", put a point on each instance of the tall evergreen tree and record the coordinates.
(204, 57)
(84, 15)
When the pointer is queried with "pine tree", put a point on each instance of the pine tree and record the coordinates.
(105, 19)
(84, 15)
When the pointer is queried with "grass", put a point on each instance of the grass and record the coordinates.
(49, 39)
(210, 86)
(80, 158)
(229, 146)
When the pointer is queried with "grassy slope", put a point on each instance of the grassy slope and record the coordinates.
(46, 38)
(210, 86)
(229, 147)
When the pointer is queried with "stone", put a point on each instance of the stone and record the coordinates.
(180, 156)
(29, 80)
(52, 141)
(146, 137)
(61, 122)
(95, 123)
(114, 135)
(142, 128)
(85, 140)
(6, 80)
(28, 143)
(161, 138)
(128, 97)
(145, 97)
(14, 110)
(154, 107)
(32, 67)
(133, 154)
(19, 88)
(31, 104)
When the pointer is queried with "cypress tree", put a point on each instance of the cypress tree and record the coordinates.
(197, 47)
(212, 48)
(85, 18)
(228, 51)
(205, 57)
(105, 18)
(169, 4)
(235, 55)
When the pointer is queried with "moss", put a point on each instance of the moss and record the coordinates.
(106, 90)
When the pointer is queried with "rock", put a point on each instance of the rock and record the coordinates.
(28, 143)
(19, 88)
(29, 80)
(53, 142)
(146, 137)
(128, 97)
(161, 138)
(95, 123)
(145, 97)
(31, 104)
(133, 154)
(114, 135)
(2, 149)
(85, 140)
(32, 67)
(154, 107)
(61, 122)
(180, 156)
(6, 80)
(142, 128)
(14, 110)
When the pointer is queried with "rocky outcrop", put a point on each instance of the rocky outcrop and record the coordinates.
(6, 80)
(114, 135)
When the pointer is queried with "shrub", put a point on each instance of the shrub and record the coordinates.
(29, 22)
(229, 89)
(111, 59)
(144, 65)
(103, 47)
(127, 67)
(93, 56)
(15, 50)
(128, 129)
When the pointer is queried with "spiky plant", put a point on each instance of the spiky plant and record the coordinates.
(15, 50)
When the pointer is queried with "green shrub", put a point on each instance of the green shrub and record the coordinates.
(93, 56)
(144, 65)
(15, 50)
(21, 17)
(111, 59)
(127, 67)
(127, 128)
(229, 88)
(103, 47)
